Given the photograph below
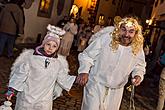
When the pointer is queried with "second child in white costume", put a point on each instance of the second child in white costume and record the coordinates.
(38, 75)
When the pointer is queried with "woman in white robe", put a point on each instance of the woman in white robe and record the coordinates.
(67, 40)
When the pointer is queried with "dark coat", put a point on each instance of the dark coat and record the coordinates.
(7, 23)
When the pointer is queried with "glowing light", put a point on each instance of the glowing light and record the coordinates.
(45, 4)
(149, 22)
(74, 10)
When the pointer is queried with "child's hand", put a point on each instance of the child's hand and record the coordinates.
(10, 93)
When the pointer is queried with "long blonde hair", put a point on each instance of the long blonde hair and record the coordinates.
(136, 44)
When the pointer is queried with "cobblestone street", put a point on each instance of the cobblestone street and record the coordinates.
(145, 97)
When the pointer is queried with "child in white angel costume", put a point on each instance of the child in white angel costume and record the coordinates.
(40, 75)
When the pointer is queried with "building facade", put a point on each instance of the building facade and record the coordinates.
(103, 11)
(40, 14)
(43, 12)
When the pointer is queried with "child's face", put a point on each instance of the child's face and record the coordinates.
(50, 47)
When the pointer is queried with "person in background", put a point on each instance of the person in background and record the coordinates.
(161, 98)
(84, 37)
(38, 76)
(62, 22)
(67, 40)
(105, 65)
(11, 25)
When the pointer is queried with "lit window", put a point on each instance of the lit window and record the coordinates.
(101, 19)
(45, 4)
(45, 8)
(74, 10)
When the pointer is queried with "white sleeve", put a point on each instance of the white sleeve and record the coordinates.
(100, 33)
(20, 70)
(140, 66)
(64, 80)
(89, 55)
(19, 76)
